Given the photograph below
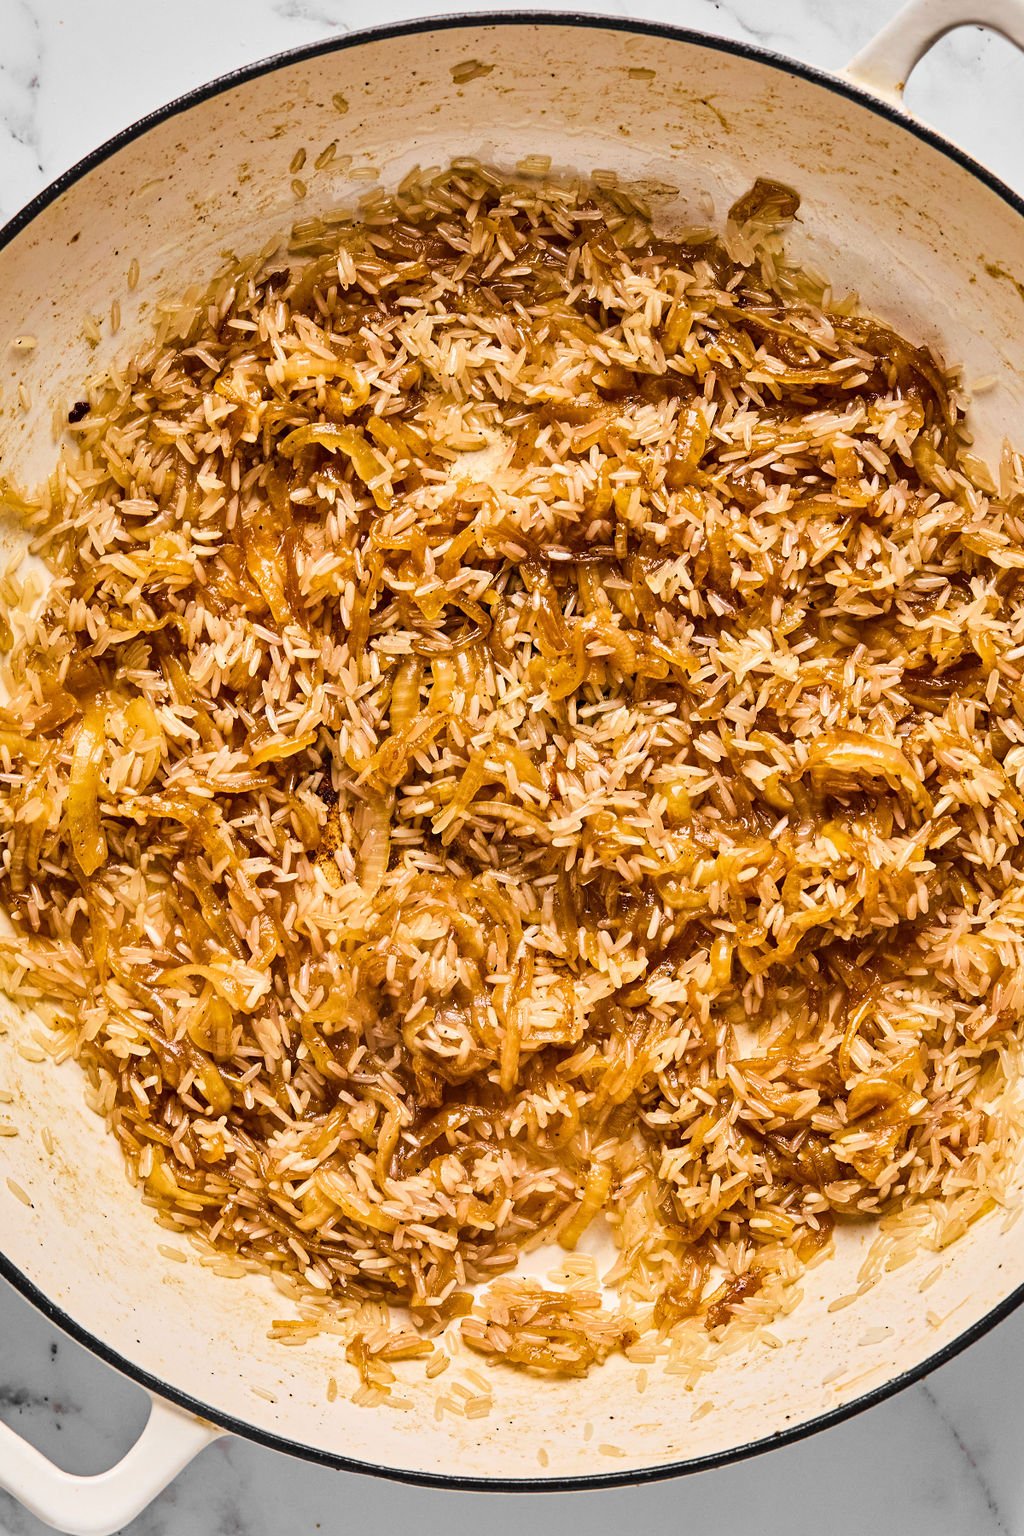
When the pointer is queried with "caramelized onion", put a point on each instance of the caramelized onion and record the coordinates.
(83, 805)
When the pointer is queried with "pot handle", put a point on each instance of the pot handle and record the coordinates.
(885, 65)
(101, 1504)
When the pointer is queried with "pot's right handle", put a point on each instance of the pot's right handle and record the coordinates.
(104, 1503)
(885, 65)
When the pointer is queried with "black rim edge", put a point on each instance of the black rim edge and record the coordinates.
(20, 222)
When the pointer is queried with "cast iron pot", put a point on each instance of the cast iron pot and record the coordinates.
(930, 240)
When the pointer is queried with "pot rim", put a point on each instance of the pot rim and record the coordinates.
(15, 226)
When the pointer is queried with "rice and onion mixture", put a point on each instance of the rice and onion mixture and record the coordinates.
(526, 727)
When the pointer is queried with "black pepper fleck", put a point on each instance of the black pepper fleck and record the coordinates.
(78, 410)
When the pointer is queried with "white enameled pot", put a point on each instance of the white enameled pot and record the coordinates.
(930, 240)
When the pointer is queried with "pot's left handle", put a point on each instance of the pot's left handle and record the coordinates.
(104, 1503)
(885, 65)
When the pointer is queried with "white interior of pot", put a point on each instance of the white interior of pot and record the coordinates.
(925, 244)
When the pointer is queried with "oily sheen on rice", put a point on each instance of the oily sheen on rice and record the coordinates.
(526, 729)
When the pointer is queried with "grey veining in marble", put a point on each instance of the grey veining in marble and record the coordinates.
(945, 1458)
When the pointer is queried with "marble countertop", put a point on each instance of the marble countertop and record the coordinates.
(945, 1458)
